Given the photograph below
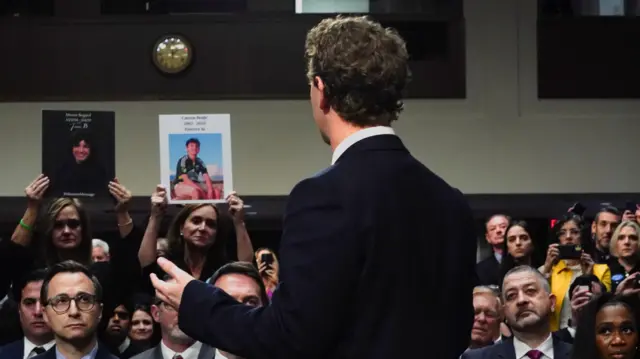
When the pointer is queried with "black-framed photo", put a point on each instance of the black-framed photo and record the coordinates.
(78, 152)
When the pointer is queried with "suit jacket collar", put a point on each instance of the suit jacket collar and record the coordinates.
(378, 141)
(561, 349)
(206, 352)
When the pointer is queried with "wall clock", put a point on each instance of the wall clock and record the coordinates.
(172, 54)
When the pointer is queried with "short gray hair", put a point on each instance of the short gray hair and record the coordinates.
(544, 282)
(100, 244)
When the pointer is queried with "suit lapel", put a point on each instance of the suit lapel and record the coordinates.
(561, 350)
(505, 349)
(157, 353)
(206, 352)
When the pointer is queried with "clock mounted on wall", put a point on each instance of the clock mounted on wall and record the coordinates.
(172, 54)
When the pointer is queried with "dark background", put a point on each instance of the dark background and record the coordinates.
(56, 140)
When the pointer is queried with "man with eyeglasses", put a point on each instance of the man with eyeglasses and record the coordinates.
(71, 299)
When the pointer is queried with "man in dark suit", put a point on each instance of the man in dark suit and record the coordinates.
(72, 300)
(175, 343)
(38, 337)
(488, 270)
(528, 304)
(377, 252)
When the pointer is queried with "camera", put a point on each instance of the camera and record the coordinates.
(570, 251)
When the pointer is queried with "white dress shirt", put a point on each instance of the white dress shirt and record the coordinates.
(359, 136)
(124, 345)
(29, 346)
(522, 349)
(191, 352)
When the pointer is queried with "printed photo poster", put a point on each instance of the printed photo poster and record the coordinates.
(195, 157)
(78, 152)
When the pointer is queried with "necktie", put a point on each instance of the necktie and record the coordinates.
(177, 356)
(534, 354)
(37, 351)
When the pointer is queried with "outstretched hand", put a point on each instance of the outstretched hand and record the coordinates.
(170, 291)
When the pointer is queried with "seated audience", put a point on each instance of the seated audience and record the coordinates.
(625, 253)
(487, 306)
(568, 258)
(608, 329)
(116, 335)
(175, 343)
(37, 336)
(528, 304)
(143, 333)
(488, 270)
(241, 281)
(72, 300)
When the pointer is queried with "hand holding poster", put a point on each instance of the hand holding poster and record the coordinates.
(195, 157)
(78, 152)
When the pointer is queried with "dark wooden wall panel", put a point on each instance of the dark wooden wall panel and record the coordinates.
(594, 57)
(236, 57)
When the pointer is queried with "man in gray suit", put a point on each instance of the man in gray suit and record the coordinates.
(175, 344)
(528, 304)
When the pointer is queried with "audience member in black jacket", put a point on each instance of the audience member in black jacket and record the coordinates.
(488, 270)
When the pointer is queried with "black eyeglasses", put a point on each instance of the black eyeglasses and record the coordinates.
(61, 303)
(71, 223)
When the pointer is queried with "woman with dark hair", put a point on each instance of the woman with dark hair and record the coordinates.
(518, 247)
(196, 237)
(608, 328)
(81, 173)
(562, 271)
(144, 332)
(63, 232)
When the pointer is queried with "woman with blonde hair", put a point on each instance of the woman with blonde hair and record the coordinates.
(625, 253)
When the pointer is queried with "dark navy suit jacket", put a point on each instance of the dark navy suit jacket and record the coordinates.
(103, 353)
(13, 350)
(506, 350)
(377, 260)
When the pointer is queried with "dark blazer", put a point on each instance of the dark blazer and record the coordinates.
(377, 260)
(13, 350)
(488, 271)
(505, 350)
(103, 353)
(206, 352)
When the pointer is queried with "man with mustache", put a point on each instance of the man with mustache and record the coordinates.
(38, 337)
(605, 222)
(528, 303)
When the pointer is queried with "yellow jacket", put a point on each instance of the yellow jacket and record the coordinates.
(560, 280)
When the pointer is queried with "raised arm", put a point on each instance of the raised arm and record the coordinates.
(122, 196)
(147, 251)
(243, 241)
(35, 191)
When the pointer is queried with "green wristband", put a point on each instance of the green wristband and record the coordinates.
(25, 226)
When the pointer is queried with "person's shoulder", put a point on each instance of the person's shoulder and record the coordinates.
(147, 354)
(486, 352)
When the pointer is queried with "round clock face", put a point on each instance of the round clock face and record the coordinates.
(172, 54)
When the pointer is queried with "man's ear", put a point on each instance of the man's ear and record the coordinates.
(100, 313)
(155, 313)
(553, 300)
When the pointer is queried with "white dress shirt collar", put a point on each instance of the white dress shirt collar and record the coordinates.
(359, 136)
(522, 349)
(191, 352)
(28, 347)
(125, 344)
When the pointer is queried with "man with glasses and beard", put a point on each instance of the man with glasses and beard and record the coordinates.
(175, 343)
(71, 300)
(528, 303)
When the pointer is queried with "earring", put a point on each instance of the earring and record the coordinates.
(181, 234)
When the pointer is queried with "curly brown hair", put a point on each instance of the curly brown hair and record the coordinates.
(363, 66)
